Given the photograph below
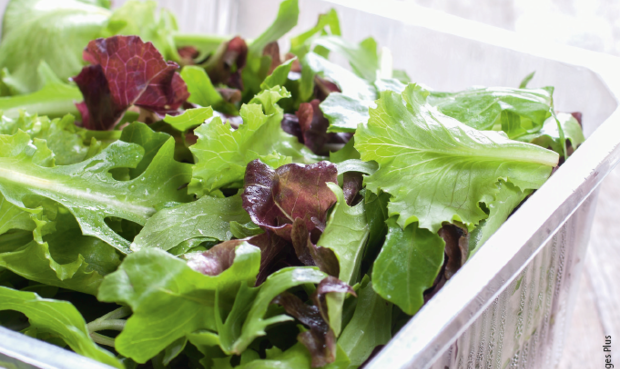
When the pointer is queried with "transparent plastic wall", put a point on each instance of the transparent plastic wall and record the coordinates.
(510, 305)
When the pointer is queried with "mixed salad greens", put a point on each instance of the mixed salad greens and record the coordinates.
(207, 202)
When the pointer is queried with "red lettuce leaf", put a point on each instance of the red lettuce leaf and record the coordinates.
(329, 285)
(225, 65)
(323, 87)
(272, 50)
(273, 254)
(125, 71)
(457, 248)
(275, 198)
(320, 339)
(351, 185)
(456, 253)
(310, 254)
(188, 54)
(313, 128)
(290, 125)
(215, 260)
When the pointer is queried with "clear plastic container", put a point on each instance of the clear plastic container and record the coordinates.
(510, 305)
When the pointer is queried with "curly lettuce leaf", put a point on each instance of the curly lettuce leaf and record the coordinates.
(208, 217)
(327, 23)
(407, 265)
(346, 234)
(276, 198)
(221, 153)
(508, 197)
(87, 189)
(190, 118)
(438, 169)
(125, 71)
(33, 31)
(70, 144)
(59, 318)
(170, 300)
(370, 326)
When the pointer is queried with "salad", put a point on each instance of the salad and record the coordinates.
(171, 200)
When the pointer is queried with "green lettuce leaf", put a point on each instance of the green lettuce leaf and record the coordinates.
(53, 251)
(296, 357)
(33, 31)
(346, 234)
(362, 57)
(251, 306)
(70, 144)
(141, 18)
(438, 169)
(376, 215)
(284, 22)
(550, 136)
(170, 300)
(516, 111)
(258, 65)
(370, 326)
(221, 154)
(208, 217)
(350, 84)
(54, 99)
(328, 23)
(189, 119)
(87, 189)
(345, 113)
(59, 318)
(203, 93)
(407, 265)
(151, 141)
(506, 200)
(279, 75)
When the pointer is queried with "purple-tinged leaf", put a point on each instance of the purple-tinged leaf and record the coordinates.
(126, 71)
(273, 255)
(273, 51)
(310, 254)
(329, 285)
(275, 198)
(457, 248)
(290, 125)
(225, 65)
(323, 87)
(351, 186)
(215, 260)
(314, 125)
(320, 339)
(188, 54)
